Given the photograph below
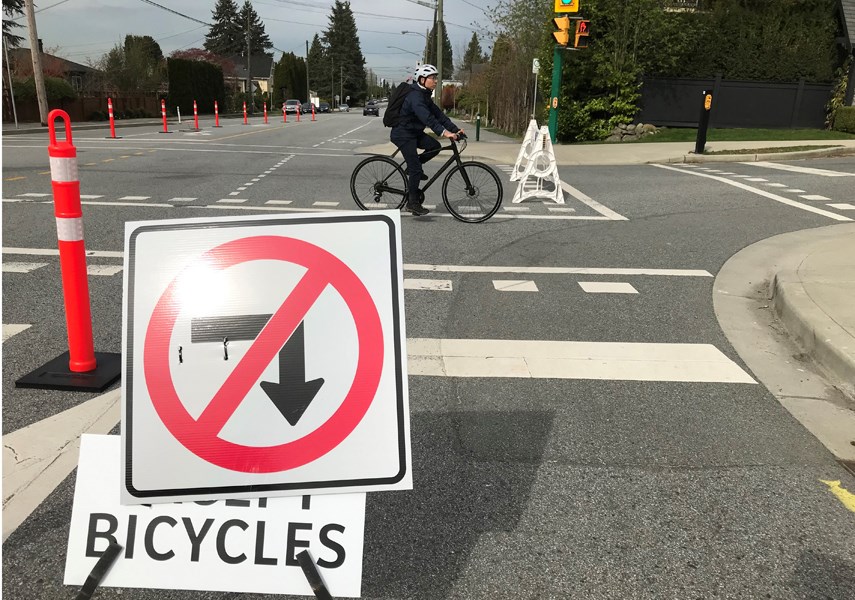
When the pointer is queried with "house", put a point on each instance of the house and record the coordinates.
(79, 76)
(261, 71)
(847, 22)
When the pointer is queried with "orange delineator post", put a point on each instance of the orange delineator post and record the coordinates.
(284, 115)
(244, 113)
(298, 113)
(265, 113)
(216, 115)
(112, 122)
(72, 252)
(163, 113)
(195, 115)
(313, 112)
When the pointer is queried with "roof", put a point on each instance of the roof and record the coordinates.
(261, 66)
(847, 7)
(23, 54)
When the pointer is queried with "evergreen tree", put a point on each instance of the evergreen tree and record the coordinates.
(226, 37)
(447, 58)
(289, 79)
(319, 69)
(12, 9)
(473, 56)
(347, 63)
(259, 42)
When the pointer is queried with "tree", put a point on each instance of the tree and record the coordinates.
(227, 37)
(259, 42)
(473, 56)
(289, 79)
(133, 67)
(319, 70)
(203, 55)
(347, 63)
(447, 55)
(12, 9)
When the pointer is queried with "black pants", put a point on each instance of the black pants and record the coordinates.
(410, 145)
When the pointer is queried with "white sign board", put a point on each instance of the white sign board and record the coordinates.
(535, 66)
(264, 356)
(225, 545)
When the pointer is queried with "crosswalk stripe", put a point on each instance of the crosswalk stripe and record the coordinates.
(798, 169)
(234, 200)
(90, 196)
(325, 203)
(182, 199)
(428, 284)
(34, 195)
(279, 202)
(615, 361)
(842, 206)
(105, 270)
(12, 329)
(814, 197)
(21, 267)
(607, 287)
(134, 197)
(515, 285)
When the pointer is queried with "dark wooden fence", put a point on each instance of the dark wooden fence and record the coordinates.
(677, 103)
(84, 108)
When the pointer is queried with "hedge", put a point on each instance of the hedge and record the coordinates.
(844, 119)
(191, 80)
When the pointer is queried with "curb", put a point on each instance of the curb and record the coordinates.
(831, 346)
(701, 158)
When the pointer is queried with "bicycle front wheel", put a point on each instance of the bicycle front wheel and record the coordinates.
(378, 183)
(472, 192)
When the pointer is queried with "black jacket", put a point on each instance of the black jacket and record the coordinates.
(419, 111)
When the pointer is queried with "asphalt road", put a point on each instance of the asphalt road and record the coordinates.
(541, 487)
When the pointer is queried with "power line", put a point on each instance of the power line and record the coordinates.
(175, 12)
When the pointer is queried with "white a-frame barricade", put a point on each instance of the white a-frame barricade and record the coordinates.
(525, 151)
(541, 168)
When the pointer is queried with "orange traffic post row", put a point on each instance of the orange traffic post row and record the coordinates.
(216, 115)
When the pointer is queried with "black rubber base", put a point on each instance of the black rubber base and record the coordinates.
(118, 137)
(56, 375)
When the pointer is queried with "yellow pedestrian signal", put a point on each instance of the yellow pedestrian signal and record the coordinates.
(583, 30)
(562, 36)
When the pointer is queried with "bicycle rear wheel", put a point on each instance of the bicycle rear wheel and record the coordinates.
(378, 183)
(472, 192)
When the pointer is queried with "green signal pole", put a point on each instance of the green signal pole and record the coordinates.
(556, 90)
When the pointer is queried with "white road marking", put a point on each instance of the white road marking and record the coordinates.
(572, 360)
(798, 169)
(134, 197)
(775, 185)
(516, 208)
(90, 196)
(182, 199)
(556, 270)
(743, 176)
(795, 191)
(585, 199)
(256, 179)
(52, 252)
(21, 267)
(233, 200)
(11, 329)
(234, 193)
(515, 285)
(560, 209)
(607, 287)
(325, 203)
(105, 270)
(34, 195)
(240, 189)
(279, 202)
(843, 206)
(756, 179)
(726, 173)
(814, 197)
(248, 183)
(763, 193)
(428, 284)
(134, 204)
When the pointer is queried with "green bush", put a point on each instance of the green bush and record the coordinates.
(844, 119)
(191, 80)
(56, 89)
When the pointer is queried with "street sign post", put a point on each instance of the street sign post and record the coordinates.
(566, 6)
(264, 356)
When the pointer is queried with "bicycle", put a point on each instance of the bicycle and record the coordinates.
(472, 191)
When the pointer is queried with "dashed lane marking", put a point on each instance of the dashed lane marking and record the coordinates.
(135, 198)
(14, 178)
(233, 200)
(799, 169)
(21, 267)
(13, 329)
(607, 287)
(514, 285)
(182, 199)
(34, 195)
(443, 285)
(842, 206)
(281, 202)
(814, 197)
(103, 270)
(846, 497)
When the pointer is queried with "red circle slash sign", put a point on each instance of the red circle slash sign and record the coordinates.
(200, 436)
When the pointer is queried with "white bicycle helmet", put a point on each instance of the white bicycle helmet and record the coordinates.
(425, 71)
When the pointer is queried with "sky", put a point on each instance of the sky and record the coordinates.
(83, 30)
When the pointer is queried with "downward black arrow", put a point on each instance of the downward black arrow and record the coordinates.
(293, 394)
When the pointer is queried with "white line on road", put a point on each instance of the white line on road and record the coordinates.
(90, 196)
(443, 285)
(319, 203)
(556, 270)
(614, 361)
(134, 204)
(814, 197)
(754, 179)
(797, 169)
(34, 195)
(763, 193)
(515, 285)
(53, 252)
(795, 191)
(182, 199)
(104, 270)
(843, 206)
(134, 197)
(607, 287)
(21, 267)
(279, 202)
(585, 199)
(12, 329)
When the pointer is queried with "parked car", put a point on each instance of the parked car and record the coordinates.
(291, 106)
(371, 109)
(323, 107)
(344, 108)
(306, 109)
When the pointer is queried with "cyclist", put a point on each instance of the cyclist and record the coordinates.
(418, 112)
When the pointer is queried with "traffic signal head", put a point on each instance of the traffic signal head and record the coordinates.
(583, 30)
(562, 36)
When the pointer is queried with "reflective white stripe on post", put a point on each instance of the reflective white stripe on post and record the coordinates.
(63, 169)
(69, 230)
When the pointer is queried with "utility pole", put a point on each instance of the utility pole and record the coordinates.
(249, 68)
(332, 81)
(439, 44)
(11, 89)
(36, 54)
(340, 84)
(308, 91)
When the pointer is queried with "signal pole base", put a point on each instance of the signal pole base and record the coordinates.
(55, 375)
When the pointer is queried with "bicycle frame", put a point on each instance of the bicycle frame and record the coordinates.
(453, 159)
